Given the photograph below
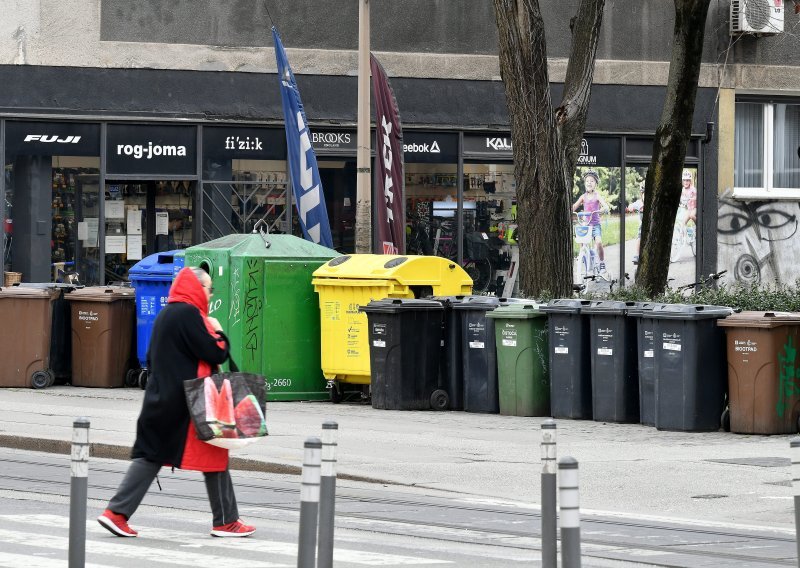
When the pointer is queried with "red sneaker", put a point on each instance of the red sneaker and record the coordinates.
(115, 523)
(236, 528)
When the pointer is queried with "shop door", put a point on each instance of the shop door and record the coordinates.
(143, 218)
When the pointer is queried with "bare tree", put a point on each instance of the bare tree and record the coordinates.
(546, 139)
(663, 182)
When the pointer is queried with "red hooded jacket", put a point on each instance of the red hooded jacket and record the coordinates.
(183, 346)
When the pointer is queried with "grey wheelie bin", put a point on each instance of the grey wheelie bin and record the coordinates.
(404, 338)
(691, 377)
(451, 368)
(615, 377)
(645, 324)
(570, 360)
(479, 353)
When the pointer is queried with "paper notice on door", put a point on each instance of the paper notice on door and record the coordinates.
(115, 209)
(92, 227)
(162, 223)
(83, 230)
(134, 221)
(116, 245)
(134, 247)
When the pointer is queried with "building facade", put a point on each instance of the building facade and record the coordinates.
(129, 127)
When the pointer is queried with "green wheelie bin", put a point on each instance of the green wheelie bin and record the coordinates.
(264, 300)
(522, 359)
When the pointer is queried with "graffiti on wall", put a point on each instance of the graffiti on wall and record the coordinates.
(758, 241)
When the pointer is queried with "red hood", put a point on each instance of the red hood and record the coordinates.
(187, 289)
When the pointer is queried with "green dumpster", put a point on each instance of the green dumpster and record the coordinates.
(522, 376)
(266, 304)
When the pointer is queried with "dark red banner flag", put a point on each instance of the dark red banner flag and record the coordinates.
(389, 158)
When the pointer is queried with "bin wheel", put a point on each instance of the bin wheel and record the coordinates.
(440, 400)
(144, 374)
(725, 419)
(40, 380)
(131, 377)
(336, 393)
(51, 377)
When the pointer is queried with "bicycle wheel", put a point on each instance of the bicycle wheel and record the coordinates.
(481, 273)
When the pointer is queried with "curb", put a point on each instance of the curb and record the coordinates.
(120, 452)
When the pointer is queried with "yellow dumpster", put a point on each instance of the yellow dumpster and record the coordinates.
(347, 282)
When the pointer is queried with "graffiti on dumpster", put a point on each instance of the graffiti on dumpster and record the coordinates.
(236, 302)
(787, 387)
(252, 308)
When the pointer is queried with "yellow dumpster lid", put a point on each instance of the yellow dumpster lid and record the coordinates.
(409, 270)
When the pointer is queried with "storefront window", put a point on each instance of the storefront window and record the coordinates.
(683, 253)
(50, 228)
(149, 196)
(244, 181)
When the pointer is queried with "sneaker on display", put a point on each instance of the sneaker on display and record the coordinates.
(117, 524)
(236, 528)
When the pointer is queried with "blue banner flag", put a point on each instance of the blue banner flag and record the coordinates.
(303, 170)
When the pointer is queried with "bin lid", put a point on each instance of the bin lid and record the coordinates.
(447, 301)
(760, 319)
(689, 311)
(643, 309)
(485, 303)
(395, 305)
(608, 307)
(408, 270)
(255, 245)
(65, 286)
(31, 292)
(158, 265)
(517, 310)
(102, 294)
(565, 306)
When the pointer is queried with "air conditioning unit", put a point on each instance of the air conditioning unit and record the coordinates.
(757, 16)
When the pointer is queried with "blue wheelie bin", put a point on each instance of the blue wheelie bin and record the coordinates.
(152, 278)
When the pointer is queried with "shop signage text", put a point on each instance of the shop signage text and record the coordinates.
(151, 150)
(236, 143)
(433, 147)
(499, 143)
(50, 139)
(140, 151)
(585, 159)
(334, 141)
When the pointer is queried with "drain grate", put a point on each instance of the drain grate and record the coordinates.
(757, 462)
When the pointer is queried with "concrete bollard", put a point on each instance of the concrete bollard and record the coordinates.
(309, 504)
(570, 514)
(78, 488)
(549, 497)
(794, 446)
(327, 495)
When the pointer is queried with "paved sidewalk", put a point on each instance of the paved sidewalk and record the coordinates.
(626, 469)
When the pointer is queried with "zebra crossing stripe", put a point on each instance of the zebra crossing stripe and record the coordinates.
(11, 560)
(199, 540)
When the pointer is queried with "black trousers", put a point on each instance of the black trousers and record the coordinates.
(141, 474)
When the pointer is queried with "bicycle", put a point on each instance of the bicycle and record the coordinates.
(587, 258)
(444, 245)
(683, 235)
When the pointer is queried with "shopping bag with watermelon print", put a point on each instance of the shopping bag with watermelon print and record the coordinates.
(228, 409)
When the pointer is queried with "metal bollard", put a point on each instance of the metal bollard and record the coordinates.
(794, 446)
(309, 504)
(79, 473)
(549, 497)
(570, 513)
(327, 495)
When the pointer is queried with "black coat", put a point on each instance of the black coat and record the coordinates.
(181, 348)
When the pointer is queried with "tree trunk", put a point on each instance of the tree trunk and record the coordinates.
(663, 182)
(546, 141)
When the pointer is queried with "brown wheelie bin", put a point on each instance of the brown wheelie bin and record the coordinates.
(763, 387)
(26, 316)
(103, 319)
